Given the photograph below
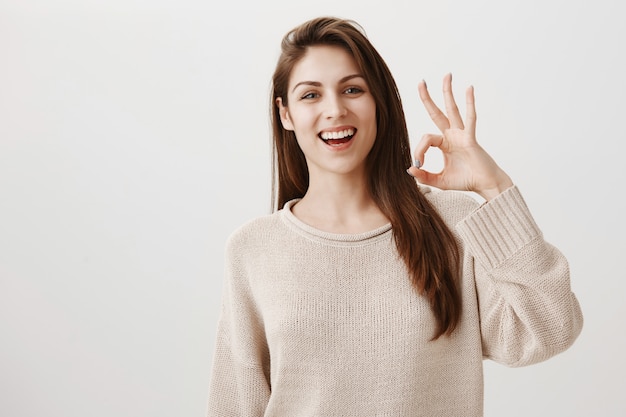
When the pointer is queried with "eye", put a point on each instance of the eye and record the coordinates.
(309, 96)
(353, 90)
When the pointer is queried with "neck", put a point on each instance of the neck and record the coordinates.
(339, 204)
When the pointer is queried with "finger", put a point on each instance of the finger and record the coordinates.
(437, 116)
(427, 141)
(426, 177)
(470, 106)
(452, 109)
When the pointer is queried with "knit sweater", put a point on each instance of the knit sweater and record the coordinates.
(321, 324)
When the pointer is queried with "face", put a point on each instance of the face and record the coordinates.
(331, 111)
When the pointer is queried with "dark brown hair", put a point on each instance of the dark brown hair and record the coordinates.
(423, 240)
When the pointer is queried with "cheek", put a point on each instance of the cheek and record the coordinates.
(302, 120)
(370, 116)
(367, 110)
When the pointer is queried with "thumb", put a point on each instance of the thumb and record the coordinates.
(424, 177)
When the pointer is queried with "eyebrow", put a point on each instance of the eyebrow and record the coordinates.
(318, 84)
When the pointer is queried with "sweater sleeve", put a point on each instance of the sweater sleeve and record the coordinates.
(528, 312)
(240, 382)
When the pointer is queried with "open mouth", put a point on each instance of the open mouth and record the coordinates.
(337, 138)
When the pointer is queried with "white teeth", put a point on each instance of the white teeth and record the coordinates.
(337, 135)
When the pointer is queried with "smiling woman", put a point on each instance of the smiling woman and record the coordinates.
(366, 292)
(333, 118)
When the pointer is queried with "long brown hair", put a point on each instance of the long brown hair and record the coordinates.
(423, 240)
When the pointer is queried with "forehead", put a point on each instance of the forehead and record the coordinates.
(324, 64)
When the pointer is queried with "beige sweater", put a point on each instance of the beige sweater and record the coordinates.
(321, 324)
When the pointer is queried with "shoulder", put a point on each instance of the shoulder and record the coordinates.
(453, 206)
(253, 233)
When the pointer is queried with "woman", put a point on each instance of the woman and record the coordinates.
(365, 293)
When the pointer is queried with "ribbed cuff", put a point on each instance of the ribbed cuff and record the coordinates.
(499, 228)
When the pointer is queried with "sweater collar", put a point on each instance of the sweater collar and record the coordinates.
(337, 238)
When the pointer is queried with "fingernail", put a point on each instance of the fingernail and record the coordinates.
(409, 172)
(416, 163)
(424, 81)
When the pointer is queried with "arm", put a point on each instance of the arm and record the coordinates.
(239, 384)
(528, 312)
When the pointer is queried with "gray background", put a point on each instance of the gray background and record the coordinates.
(134, 139)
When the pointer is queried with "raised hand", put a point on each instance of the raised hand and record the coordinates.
(467, 166)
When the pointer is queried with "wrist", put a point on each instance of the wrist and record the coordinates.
(503, 184)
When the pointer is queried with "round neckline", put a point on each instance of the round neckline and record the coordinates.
(313, 233)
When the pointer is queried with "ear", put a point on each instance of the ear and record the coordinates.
(284, 114)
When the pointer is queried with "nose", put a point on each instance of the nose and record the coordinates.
(335, 107)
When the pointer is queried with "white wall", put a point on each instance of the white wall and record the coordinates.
(134, 138)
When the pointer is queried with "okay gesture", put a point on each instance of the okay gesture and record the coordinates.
(467, 166)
